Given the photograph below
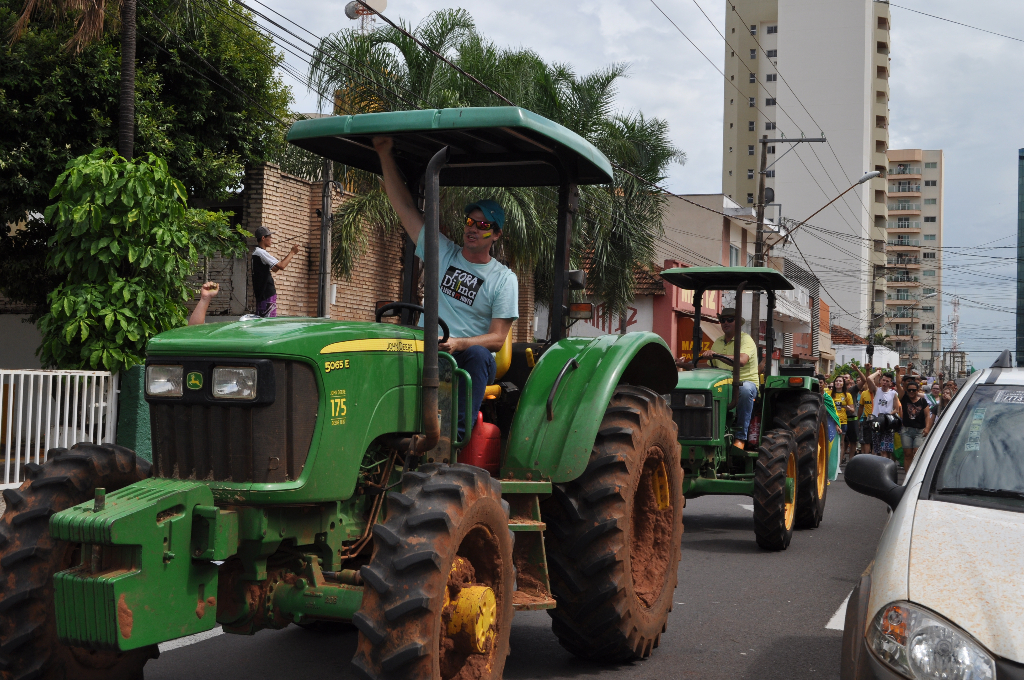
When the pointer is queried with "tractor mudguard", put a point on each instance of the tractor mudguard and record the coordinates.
(556, 425)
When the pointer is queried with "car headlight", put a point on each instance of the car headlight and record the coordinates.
(696, 400)
(231, 382)
(163, 381)
(920, 644)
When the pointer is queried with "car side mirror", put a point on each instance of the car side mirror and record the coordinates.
(874, 476)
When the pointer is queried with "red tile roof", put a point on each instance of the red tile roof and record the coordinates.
(844, 336)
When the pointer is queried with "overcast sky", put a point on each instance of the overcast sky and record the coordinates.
(952, 88)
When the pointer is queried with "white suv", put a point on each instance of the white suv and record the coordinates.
(944, 596)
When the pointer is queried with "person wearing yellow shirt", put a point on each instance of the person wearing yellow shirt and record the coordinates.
(843, 400)
(725, 347)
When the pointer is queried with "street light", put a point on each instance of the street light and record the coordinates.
(867, 176)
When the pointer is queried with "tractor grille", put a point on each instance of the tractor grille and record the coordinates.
(695, 422)
(238, 443)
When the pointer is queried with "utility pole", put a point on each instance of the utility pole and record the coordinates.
(759, 254)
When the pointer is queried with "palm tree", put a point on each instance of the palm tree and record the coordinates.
(90, 17)
(617, 225)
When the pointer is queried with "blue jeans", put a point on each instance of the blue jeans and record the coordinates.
(479, 363)
(744, 407)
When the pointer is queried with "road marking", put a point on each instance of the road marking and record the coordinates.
(190, 640)
(838, 620)
(746, 507)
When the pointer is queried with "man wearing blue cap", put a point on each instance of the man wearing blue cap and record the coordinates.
(479, 296)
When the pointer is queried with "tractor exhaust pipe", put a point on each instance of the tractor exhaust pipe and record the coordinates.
(431, 424)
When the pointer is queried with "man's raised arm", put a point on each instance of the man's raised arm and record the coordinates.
(398, 194)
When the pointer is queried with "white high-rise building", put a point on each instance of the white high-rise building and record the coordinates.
(811, 68)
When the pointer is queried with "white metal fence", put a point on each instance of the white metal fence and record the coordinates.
(40, 410)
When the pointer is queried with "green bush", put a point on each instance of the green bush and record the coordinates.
(124, 247)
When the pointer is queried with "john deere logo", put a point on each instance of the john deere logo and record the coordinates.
(195, 380)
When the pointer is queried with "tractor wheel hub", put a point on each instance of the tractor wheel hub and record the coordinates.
(473, 616)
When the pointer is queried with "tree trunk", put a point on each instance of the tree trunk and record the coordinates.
(126, 105)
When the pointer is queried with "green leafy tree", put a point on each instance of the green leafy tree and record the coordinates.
(56, 105)
(616, 226)
(124, 246)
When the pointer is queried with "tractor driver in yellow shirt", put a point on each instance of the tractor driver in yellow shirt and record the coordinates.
(721, 356)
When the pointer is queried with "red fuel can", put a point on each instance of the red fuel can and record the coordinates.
(484, 447)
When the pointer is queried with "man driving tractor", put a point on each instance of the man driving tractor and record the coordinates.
(479, 296)
(721, 356)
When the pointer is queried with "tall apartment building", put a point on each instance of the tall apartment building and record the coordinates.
(809, 68)
(913, 305)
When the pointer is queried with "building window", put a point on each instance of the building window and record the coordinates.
(753, 103)
(730, 173)
(730, 102)
(753, 54)
(928, 308)
(750, 198)
(931, 201)
(927, 326)
(773, 29)
(750, 174)
(770, 101)
(771, 148)
(929, 291)
(928, 256)
(769, 173)
(929, 237)
(772, 77)
(930, 166)
(772, 54)
(769, 126)
(928, 272)
(753, 77)
(931, 219)
(750, 149)
(751, 125)
(753, 29)
(931, 182)
(730, 149)
(730, 126)
(734, 30)
(734, 256)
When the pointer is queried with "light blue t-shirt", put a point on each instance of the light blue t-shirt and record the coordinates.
(472, 294)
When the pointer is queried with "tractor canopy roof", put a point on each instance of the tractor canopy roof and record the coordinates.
(726, 278)
(489, 146)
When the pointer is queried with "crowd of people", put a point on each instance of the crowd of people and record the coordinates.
(876, 392)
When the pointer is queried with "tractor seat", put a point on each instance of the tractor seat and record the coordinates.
(502, 359)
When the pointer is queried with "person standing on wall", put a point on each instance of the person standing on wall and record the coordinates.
(263, 266)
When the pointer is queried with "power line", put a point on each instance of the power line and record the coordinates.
(958, 23)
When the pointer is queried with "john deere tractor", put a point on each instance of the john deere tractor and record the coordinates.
(306, 470)
(783, 465)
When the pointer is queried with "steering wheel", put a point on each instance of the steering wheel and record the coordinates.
(416, 308)
(723, 357)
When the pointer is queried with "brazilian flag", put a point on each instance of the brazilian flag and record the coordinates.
(835, 438)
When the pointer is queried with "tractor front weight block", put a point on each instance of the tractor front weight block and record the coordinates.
(137, 583)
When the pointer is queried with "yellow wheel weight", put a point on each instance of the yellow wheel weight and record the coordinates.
(475, 615)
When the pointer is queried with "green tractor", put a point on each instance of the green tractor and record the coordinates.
(306, 470)
(786, 475)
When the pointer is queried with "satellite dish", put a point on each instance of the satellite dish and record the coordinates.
(354, 10)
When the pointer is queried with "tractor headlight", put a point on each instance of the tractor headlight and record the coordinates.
(696, 400)
(919, 644)
(163, 381)
(234, 382)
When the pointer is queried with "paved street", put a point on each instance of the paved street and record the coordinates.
(740, 612)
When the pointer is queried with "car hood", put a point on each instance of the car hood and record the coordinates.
(967, 563)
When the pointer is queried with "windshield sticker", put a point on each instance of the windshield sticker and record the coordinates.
(1008, 397)
(974, 434)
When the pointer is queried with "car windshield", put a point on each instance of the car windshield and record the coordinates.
(983, 463)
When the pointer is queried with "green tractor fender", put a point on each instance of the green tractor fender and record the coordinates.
(577, 377)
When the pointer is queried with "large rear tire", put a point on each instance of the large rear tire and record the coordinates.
(805, 415)
(614, 533)
(774, 505)
(442, 515)
(29, 557)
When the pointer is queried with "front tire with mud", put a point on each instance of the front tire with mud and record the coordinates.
(446, 531)
(29, 557)
(614, 533)
(775, 503)
(805, 415)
